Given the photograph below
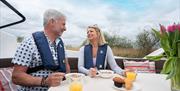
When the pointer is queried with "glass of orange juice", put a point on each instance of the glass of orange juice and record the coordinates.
(131, 75)
(75, 86)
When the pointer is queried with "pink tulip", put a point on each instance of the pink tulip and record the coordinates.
(171, 28)
(162, 28)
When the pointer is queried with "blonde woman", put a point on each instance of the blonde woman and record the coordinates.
(96, 54)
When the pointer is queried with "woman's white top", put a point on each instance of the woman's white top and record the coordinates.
(109, 58)
(94, 61)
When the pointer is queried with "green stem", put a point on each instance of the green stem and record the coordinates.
(175, 80)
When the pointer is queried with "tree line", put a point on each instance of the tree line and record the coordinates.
(146, 42)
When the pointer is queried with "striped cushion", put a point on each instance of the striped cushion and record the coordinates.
(1, 86)
(152, 67)
(6, 82)
(141, 66)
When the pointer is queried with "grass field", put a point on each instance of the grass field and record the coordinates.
(123, 52)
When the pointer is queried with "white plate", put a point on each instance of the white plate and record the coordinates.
(135, 87)
(75, 75)
(106, 73)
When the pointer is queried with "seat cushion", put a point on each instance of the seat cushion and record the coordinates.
(1, 86)
(6, 82)
(140, 66)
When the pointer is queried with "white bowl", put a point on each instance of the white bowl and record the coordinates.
(106, 73)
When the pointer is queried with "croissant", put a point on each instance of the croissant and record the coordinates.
(128, 84)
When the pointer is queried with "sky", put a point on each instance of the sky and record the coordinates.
(125, 18)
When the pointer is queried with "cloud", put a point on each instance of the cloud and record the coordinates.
(123, 18)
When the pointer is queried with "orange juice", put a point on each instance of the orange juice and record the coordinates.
(131, 75)
(75, 86)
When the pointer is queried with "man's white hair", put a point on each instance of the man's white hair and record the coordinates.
(51, 14)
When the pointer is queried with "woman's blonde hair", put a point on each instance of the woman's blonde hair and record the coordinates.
(101, 40)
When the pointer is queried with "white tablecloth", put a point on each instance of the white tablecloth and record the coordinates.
(144, 81)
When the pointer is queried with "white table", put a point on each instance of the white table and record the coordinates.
(153, 82)
(146, 81)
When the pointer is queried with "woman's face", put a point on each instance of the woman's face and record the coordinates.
(92, 34)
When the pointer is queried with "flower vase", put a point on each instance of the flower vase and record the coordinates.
(175, 81)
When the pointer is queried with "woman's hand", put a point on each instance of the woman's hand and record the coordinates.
(92, 72)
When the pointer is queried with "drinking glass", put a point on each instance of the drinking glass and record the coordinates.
(76, 86)
(131, 75)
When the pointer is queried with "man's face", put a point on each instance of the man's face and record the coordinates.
(59, 26)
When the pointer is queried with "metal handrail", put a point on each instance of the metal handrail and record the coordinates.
(16, 11)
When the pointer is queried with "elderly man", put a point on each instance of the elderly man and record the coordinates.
(40, 60)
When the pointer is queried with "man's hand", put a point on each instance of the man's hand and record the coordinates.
(54, 79)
